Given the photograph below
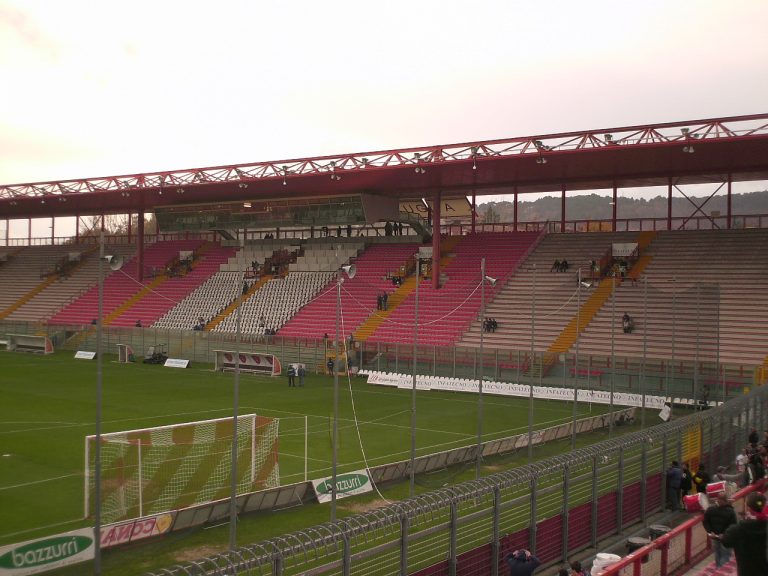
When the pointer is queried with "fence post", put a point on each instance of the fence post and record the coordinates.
(620, 491)
(664, 464)
(454, 527)
(346, 559)
(277, 565)
(404, 545)
(595, 496)
(495, 547)
(532, 527)
(566, 493)
(711, 458)
(644, 481)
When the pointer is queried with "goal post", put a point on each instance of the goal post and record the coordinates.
(164, 468)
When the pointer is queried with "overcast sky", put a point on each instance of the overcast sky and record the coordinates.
(102, 88)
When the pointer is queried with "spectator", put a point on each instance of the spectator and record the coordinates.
(522, 563)
(753, 438)
(701, 479)
(674, 477)
(555, 266)
(302, 372)
(349, 230)
(329, 365)
(627, 323)
(564, 265)
(291, 376)
(741, 461)
(388, 229)
(576, 569)
(494, 324)
(686, 480)
(245, 287)
(384, 298)
(748, 538)
(138, 323)
(717, 519)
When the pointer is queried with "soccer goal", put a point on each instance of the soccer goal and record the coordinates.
(166, 468)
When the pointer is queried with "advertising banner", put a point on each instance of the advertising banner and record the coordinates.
(43, 554)
(133, 530)
(509, 389)
(349, 484)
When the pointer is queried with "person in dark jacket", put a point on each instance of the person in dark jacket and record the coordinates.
(673, 485)
(522, 563)
(717, 519)
(748, 538)
(701, 479)
(686, 480)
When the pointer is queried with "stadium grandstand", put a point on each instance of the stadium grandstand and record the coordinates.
(669, 314)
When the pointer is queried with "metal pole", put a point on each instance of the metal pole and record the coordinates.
(530, 368)
(645, 347)
(334, 458)
(576, 361)
(613, 347)
(97, 479)
(235, 409)
(674, 321)
(412, 490)
(479, 455)
(696, 357)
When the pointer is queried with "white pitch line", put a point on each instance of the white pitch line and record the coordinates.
(57, 524)
(22, 485)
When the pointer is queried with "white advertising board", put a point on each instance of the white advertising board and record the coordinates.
(85, 355)
(348, 484)
(43, 554)
(176, 363)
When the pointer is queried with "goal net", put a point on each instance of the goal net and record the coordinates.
(165, 468)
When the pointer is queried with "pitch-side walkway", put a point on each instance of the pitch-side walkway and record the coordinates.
(707, 568)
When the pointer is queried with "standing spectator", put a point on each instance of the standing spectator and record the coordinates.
(741, 460)
(555, 266)
(329, 365)
(349, 230)
(388, 228)
(576, 569)
(701, 479)
(717, 519)
(384, 298)
(748, 538)
(291, 376)
(302, 373)
(674, 476)
(686, 480)
(753, 437)
(378, 302)
(522, 563)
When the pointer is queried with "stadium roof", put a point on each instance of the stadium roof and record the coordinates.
(686, 152)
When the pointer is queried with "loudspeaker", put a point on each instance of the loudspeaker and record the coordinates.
(350, 270)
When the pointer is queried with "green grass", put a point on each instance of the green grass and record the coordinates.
(49, 407)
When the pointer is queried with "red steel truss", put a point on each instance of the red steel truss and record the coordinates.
(687, 152)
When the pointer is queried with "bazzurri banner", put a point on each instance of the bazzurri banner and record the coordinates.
(43, 554)
(348, 484)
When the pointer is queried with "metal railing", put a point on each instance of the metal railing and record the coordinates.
(555, 508)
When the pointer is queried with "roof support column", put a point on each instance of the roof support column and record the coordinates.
(29, 231)
(140, 245)
(669, 204)
(562, 209)
(728, 213)
(102, 222)
(130, 227)
(53, 229)
(614, 207)
(77, 228)
(474, 209)
(436, 201)
(514, 216)
(7, 231)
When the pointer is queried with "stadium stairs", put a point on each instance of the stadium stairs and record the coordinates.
(707, 287)
(51, 296)
(27, 273)
(232, 306)
(121, 285)
(595, 301)
(170, 292)
(393, 301)
(445, 313)
(555, 293)
(358, 295)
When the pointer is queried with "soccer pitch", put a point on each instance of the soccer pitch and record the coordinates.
(49, 408)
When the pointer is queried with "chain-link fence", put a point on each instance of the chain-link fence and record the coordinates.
(555, 507)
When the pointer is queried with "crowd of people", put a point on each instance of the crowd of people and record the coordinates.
(746, 537)
(381, 301)
(490, 325)
(393, 229)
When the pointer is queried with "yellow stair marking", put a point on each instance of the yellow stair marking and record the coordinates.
(393, 301)
(236, 302)
(146, 289)
(29, 295)
(596, 300)
(367, 328)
